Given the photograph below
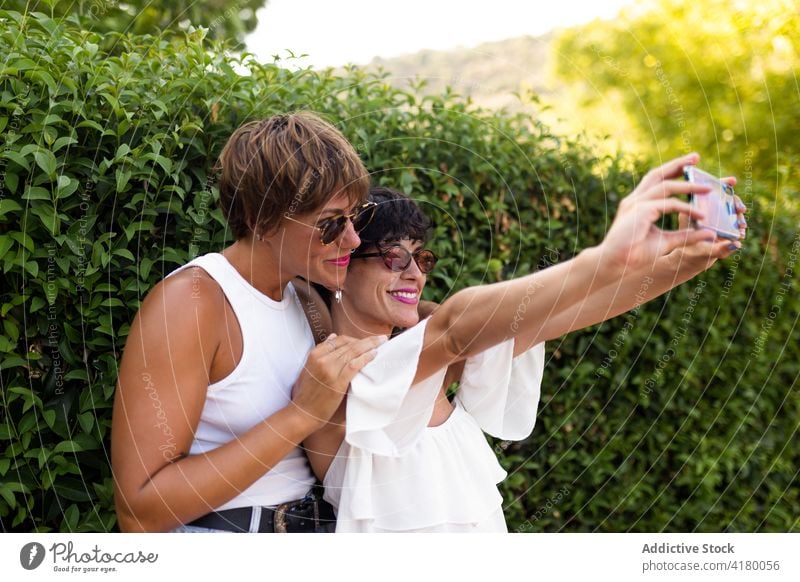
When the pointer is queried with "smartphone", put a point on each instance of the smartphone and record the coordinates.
(718, 205)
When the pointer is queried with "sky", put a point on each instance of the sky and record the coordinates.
(337, 32)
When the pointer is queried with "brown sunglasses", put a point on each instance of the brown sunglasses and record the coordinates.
(398, 258)
(332, 228)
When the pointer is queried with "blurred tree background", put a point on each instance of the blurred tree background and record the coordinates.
(672, 76)
(225, 20)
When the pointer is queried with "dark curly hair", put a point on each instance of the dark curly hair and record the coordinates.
(397, 217)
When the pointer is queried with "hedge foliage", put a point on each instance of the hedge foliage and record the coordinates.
(105, 157)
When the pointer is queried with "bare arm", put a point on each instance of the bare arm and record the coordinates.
(162, 387)
(477, 318)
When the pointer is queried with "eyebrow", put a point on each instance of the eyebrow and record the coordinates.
(330, 213)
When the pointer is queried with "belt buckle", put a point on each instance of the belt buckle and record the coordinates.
(281, 524)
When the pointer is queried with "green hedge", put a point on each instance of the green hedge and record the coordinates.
(105, 157)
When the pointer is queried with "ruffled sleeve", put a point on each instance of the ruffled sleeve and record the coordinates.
(502, 392)
(385, 416)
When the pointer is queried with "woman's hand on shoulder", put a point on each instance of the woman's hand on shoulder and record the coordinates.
(330, 367)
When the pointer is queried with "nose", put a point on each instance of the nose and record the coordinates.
(350, 238)
(412, 272)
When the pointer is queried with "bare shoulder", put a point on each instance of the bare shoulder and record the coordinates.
(192, 290)
(180, 313)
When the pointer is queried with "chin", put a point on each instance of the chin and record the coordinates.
(328, 276)
(406, 320)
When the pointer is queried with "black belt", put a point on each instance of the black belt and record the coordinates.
(307, 515)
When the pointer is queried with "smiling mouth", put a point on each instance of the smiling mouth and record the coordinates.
(407, 296)
(341, 261)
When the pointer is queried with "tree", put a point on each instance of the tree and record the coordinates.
(224, 20)
(715, 76)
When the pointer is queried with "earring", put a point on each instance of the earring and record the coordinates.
(338, 295)
(259, 238)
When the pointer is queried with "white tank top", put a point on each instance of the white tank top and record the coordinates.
(276, 339)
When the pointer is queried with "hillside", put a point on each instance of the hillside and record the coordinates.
(490, 73)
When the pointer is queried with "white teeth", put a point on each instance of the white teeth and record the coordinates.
(405, 294)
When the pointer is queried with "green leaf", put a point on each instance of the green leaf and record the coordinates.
(71, 516)
(6, 345)
(122, 180)
(24, 239)
(10, 328)
(144, 267)
(46, 161)
(45, 77)
(49, 217)
(37, 303)
(62, 142)
(7, 205)
(71, 489)
(12, 182)
(6, 433)
(92, 124)
(122, 151)
(78, 374)
(124, 253)
(66, 186)
(7, 495)
(165, 163)
(16, 157)
(5, 244)
(36, 193)
(68, 447)
(86, 420)
(22, 64)
(49, 416)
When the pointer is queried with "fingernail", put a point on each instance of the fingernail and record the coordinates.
(742, 222)
(733, 247)
(383, 339)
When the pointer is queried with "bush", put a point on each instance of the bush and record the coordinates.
(106, 187)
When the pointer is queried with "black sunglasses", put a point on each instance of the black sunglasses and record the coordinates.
(332, 228)
(398, 258)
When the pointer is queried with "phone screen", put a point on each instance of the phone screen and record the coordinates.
(719, 205)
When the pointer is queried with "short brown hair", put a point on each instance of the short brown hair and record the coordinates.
(286, 164)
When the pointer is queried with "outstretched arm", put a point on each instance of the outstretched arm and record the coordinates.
(479, 317)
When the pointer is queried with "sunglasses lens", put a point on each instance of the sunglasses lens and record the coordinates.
(332, 229)
(396, 258)
(364, 216)
(426, 261)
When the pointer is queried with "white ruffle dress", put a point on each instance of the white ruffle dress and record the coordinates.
(394, 473)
